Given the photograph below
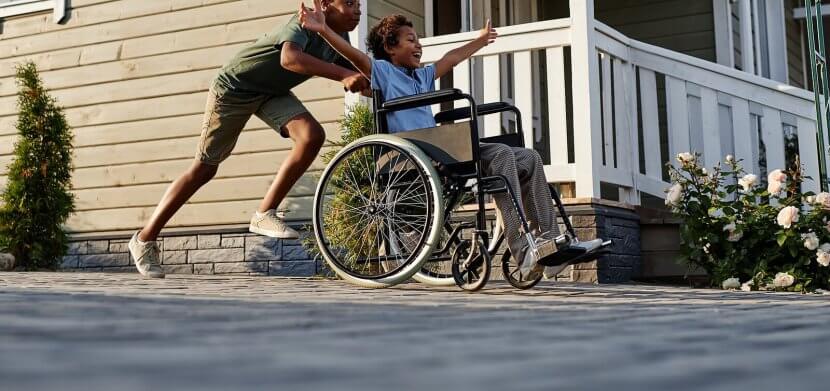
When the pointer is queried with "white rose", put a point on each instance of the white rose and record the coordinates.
(810, 240)
(706, 248)
(674, 194)
(775, 181)
(704, 171)
(787, 216)
(734, 234)
(685, 158)
(731, 283)
(783, 280)
(823, 255)
(748, 181)
(747, 286)
(823, 199)
(730, 159)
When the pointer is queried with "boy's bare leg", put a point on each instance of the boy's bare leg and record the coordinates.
(176, 195)
(308, 137)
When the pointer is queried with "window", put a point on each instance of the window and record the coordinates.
(21, 7)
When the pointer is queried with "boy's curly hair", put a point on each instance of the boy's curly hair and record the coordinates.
(385, 33)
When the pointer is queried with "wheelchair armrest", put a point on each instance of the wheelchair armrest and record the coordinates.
(425, 99)
(482, 109)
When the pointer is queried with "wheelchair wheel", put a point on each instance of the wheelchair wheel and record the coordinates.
(378, 211)
(513, 274)
(471, 274)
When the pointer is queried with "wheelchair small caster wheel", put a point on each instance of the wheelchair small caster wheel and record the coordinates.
(470, 269)
(514, 275)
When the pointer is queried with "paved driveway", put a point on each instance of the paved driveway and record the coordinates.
(73, 331)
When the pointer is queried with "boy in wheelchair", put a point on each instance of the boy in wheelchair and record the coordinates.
(396, 71)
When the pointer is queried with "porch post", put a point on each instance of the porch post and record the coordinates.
(357, 37)
(586, 95)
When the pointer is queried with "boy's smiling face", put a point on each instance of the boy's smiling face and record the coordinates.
(342, 15)
(407, 53)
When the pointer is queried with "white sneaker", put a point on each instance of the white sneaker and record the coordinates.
(530, 264)
(271, 224)
(146, 257)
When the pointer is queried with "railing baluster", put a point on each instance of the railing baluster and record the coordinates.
(461, 76)
(607, 110)
(523, 73)
(773, 133)
(492, 93)
(678, 116)
(742, 134)
(808, 154)
(622, 115)
(711, 127)
(651, 124)
(557, 116)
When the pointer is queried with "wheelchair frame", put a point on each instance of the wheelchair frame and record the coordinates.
(456, 174)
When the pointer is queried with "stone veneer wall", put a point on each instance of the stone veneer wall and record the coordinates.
(251, 254)
(592, 219)
(222, 253)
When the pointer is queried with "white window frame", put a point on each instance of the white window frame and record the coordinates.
(22, 7)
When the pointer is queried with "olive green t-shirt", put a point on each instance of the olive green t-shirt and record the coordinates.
(257, 68)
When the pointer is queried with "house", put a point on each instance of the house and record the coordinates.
(612, 90)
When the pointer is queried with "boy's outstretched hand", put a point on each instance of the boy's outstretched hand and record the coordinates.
(488, 34)
(313, 19)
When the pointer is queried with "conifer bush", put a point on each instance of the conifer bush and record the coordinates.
(36, 201)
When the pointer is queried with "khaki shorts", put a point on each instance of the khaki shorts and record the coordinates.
(226, 114)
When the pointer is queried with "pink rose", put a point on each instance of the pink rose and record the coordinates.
(787, 216)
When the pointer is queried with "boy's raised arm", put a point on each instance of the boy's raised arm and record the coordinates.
(486, 36)
(315, 20)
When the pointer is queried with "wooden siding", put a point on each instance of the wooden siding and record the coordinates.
(133, 76)
(412, 9)
(680, 25)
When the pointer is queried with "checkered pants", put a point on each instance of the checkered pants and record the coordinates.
(525, 175)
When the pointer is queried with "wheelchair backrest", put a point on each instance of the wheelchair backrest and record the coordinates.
(449, 145)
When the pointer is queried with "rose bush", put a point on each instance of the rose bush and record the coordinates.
(748, 235)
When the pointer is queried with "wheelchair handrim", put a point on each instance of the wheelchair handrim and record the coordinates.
(426, 175)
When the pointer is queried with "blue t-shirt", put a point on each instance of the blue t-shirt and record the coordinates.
(394, 82)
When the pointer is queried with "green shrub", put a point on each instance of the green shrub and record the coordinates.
(37, 201)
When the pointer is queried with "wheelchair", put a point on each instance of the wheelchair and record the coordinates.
(384, 205)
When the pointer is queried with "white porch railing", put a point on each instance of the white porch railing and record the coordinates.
(646, 105)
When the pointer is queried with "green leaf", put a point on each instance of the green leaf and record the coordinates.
(781, 238)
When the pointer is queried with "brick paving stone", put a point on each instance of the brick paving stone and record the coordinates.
(241, 267)
(121, 331)
(203, 268)
(210, 241)
(218, 255)
(262, 248)
(231, 242)
(177, 269)
(174, 257)
(180, 243)
(105, 260)
(98, 246)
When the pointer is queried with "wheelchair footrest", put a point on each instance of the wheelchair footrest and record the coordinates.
(571, 254)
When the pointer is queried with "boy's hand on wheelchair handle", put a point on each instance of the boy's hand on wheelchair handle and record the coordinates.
(355, 82)
(313, 19)
(488, 34)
